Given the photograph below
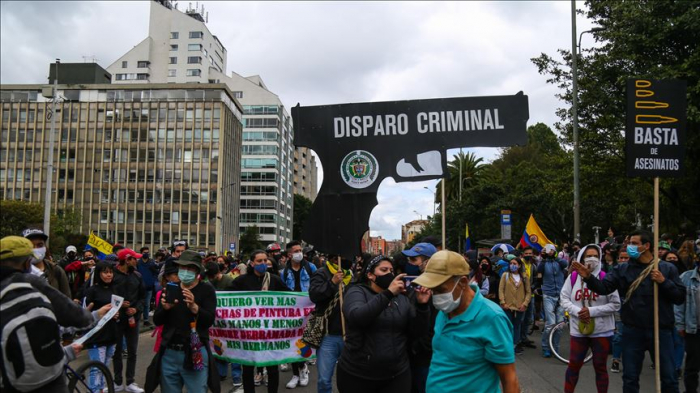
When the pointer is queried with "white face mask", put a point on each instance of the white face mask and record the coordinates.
(39, 254)
(591, 263)
(297, 257)
(444, 301)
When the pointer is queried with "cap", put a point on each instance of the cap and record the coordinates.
(71, 249)
(424, 249)
(170, 268)
(190, 258)
(30, 233)
(664, 245)
(273, 247)
(124, 253)
(510, 257)
(15, 246)
(441, 266)
(549, 247)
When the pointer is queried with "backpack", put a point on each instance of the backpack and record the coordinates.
(32, 355)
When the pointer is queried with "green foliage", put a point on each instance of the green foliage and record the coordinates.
(656, 40)
(250, 240)
(65, 226)
(302, 207)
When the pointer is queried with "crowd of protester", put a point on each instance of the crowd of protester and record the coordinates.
(424, 320)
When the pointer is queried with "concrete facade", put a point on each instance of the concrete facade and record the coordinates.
(144, 164)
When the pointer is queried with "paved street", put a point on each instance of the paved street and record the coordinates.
(537, 375)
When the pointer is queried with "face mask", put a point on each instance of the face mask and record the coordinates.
(384, 281)
(528, 258)
(39, 254)
(484, 267)
(514, 268)
(591, 263)
(297, 257)
(261, 268)
(633, 251)
(145, 256)
(412, 270)
(186, 276)
(444, 301)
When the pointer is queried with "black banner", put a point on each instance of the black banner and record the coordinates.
(361, 144)
(655, 132)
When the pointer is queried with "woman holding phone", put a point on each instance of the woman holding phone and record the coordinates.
(380, 318)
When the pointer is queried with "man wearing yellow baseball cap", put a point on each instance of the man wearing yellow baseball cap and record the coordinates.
(473, 343)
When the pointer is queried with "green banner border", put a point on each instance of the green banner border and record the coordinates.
(263, 364)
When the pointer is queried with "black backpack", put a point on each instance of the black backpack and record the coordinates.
(32, 355)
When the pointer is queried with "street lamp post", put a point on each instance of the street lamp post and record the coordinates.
(419, 215)
(575, 48)
(433, 199)
(49, 161)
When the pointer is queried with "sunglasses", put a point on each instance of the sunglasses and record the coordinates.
(179, 243)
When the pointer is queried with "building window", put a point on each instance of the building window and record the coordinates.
(172, 73)
(173, 47)
(196, 34)
(174, 35)
(142, 64)
(194, 72)
(125, 64)
(237, 94)
(173, 60)
(142, 77)
(194, 47)
(194, 60)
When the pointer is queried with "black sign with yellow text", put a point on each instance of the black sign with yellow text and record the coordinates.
(655, 131)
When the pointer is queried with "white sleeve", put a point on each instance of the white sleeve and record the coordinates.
(565, 298)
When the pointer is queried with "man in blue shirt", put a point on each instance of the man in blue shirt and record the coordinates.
(553, 273)
(472, 344)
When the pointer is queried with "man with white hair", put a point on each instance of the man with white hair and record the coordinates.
(553, 272)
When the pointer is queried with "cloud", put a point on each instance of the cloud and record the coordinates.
(327, 52)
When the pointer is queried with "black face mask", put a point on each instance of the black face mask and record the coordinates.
(384, 281)
(528, 258)
(485, 268)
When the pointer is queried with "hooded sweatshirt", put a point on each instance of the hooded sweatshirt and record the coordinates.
(601, 307)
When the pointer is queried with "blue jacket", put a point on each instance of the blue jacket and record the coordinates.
(149, 272)
(687, 313)
(305, 276)
(553, 273)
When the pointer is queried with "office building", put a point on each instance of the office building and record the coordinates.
(411, 229)
(305, 173)
(144, 164)
(181, 49)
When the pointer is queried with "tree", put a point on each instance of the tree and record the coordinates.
(302, 208)
(250, 240)
(656, 40)
(19, 215)
(471, 168)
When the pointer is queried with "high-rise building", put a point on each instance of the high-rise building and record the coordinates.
(145, 164)
(180, 48)
(305, 173)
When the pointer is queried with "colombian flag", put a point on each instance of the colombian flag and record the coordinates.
(467, 240)
(102, 247)
(533, 236)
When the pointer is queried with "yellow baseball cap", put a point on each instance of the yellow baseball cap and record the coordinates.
(441, 266)
(15, 246)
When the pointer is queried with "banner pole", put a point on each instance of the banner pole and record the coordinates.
(444, 212)
(340, 295)
(657, 369)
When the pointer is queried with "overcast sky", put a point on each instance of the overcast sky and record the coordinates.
(317, 53)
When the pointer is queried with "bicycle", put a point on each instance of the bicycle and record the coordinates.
(561, 354)
(78, 378)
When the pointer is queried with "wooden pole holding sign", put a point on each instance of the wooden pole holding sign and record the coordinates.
(657, 369)
(444, 212)
(654, 147)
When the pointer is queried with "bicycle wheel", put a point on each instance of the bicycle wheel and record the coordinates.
(92, 372)
(564, 343)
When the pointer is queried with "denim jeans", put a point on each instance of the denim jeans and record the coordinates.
(326, 357)
(553, 314)
(236, 370)
(96, 380)
(617, 341)
(678, 349)
(528, 320)
(636, 342)
(147, 306)
(516, 318)
(173, 375)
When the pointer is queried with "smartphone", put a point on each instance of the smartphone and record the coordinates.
(409, 279)
(173, 292)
